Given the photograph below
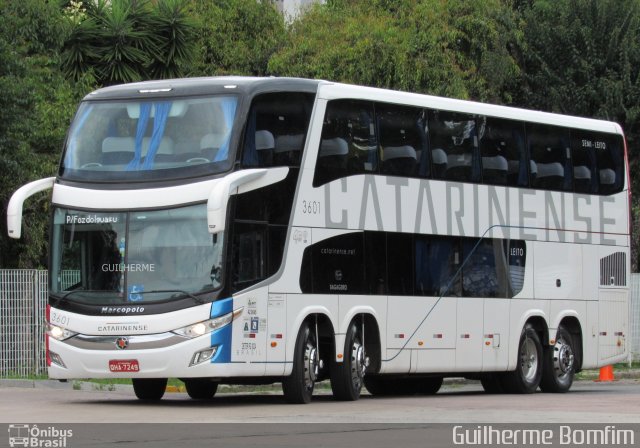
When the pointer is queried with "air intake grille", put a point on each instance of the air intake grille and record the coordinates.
(613, 270)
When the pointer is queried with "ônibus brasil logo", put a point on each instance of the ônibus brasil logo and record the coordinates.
(33, 436)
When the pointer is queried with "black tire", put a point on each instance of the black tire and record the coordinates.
(298, 387)
(376, 385)
(429, 385)
(559, 364)
(201, 388)
(347, 377)
(403, 386)
(149, 388)
(525, 379)
(492, 383)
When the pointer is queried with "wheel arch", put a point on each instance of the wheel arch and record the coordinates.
(372, 335)
(326, 329)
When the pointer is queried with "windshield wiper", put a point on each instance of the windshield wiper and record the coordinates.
(158, 291)
(73, 291)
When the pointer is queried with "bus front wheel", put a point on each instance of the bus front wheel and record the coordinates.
(347, 377)
(200, 388)
(298, 387)
(149, 388)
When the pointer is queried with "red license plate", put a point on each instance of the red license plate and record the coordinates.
(124, 365)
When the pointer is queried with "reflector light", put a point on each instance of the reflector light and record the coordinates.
(274, 344)
(56, 359)
(203, 355)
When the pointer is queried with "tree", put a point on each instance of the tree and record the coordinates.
(122, 41)
(237, 36)
(451, 48)
(582, 57)
(36, 105)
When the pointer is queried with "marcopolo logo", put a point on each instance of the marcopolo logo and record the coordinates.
(33, 436)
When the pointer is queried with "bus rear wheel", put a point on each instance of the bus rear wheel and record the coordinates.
(559, 364)
(347, 378)
(200, 388)
(525, 379)
(298, 387)
(149, 388)
(492, 384)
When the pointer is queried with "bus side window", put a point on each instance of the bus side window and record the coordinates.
(610, 161)
(375, 259)
(338, 265)
(437, 261)
(352, 123)
(550, 157)
(248, 254)
(454, 146)
(403, 140)
(400, 265)
(584, 162)
(504, 159)
(276, 129)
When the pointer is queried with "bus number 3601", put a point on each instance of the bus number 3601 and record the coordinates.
(310, 207)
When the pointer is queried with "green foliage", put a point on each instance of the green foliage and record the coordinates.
(452, 48)
(122, 41)
(237, 36)
(36, 105)
(582, 57)
(579, 57)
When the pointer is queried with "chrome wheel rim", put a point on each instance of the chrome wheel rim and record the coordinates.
(310, 365)
(563, 358)
(528, 359)
(358, 364)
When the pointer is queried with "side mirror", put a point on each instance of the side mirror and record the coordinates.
(245, 180)
(14, 210)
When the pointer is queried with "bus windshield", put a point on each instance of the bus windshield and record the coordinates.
(156, 139)
(143, 256)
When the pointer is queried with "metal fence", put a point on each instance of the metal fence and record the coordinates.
(23, 299)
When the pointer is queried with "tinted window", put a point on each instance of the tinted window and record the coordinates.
(516, 252)
(504, 160)
(437, 261)
(453, 140)
(375, 252)
(479, 276)
(348, 145)
(609, 151)
(400, 263)
(248, 255)
(403, 138)
(549, 151)
(338, 265)
(585, 179)
(276, 129)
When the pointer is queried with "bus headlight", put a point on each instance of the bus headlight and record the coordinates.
(207, 326)
(59, 333)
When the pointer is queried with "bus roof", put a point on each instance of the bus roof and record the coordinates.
(203, 86)
(332, 90)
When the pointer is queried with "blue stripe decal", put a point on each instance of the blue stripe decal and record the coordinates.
(221, 307)
(222, 336)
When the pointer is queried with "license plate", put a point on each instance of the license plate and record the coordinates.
(124, 365)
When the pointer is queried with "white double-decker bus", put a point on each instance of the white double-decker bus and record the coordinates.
(257, 230)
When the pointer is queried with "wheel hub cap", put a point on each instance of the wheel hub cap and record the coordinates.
(564, 357)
